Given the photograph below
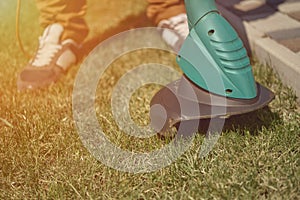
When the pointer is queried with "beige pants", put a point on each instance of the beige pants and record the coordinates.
(70, 13)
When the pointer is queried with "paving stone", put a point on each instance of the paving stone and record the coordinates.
(290, 38)
(275, 22)
(285, 62)
(289, 7)
(260, 13)
(252, 34)
(285, 34)
(293, 44)
(252, 10)
(246, 6)
(295, 15)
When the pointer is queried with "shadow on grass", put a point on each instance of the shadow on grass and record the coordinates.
(251, 123)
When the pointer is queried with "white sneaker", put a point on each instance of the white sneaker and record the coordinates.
(51, 60)
(175, 30)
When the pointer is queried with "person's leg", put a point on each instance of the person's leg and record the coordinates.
(170, 15)
(68, 13)
(64, 30)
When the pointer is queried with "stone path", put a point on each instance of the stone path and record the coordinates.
(270, 29)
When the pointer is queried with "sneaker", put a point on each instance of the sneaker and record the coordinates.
(175, 30)
(52, 59)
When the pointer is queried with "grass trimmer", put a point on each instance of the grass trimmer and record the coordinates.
(218, 80)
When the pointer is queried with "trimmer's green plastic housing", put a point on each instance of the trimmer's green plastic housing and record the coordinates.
(213, 56)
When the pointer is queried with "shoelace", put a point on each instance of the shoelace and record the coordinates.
(45, 53)
(178, 24)
(181, 29)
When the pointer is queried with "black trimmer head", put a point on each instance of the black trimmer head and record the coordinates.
(183, 101)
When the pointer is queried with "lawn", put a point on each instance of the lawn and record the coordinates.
(42, 156)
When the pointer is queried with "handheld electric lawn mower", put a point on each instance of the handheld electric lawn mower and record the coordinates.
(218, 80)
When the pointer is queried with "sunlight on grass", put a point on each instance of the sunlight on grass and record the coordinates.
(42, 156)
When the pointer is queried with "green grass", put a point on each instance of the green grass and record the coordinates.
(42, 157)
